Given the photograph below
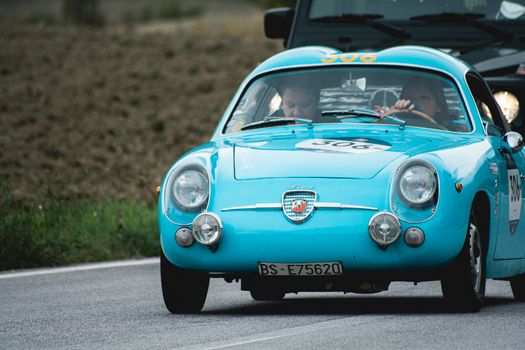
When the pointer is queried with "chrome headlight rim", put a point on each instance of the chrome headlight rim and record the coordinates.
(177, 202)
(431, 198)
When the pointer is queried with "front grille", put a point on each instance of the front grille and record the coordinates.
(291, 196)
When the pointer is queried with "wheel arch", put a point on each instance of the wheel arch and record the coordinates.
(481, 207)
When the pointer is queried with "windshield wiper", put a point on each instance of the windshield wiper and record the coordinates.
(269, 121)
(368, 19)
(356, 113)
(472, 19)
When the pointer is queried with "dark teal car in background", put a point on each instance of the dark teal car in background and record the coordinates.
(346, 190)
(488, 34)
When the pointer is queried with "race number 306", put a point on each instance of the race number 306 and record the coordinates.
(514, 186)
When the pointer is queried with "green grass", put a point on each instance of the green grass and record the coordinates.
(61, 232)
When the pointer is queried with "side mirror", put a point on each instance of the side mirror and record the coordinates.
(278, 23)
(513, 142)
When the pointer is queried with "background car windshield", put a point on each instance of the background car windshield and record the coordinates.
(404, 9)
(333, 95)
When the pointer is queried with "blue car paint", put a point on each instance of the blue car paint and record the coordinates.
(333, 234)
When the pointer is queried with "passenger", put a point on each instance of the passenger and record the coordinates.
(299, 100)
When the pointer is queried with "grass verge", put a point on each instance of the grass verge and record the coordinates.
(61, 232)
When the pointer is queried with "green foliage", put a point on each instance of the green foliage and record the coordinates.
(61, 232)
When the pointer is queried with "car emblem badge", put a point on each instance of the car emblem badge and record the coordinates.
(298, 205)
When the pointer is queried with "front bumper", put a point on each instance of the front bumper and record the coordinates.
(254, 236)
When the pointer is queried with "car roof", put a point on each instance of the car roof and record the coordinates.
(403, 56)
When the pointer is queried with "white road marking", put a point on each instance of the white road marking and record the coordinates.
(85, 267)
(345, 322)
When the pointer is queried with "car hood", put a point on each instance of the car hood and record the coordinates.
(328, 156)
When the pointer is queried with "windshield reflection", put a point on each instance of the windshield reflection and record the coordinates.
(395, 96)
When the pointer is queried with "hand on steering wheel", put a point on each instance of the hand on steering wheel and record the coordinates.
(404, 106)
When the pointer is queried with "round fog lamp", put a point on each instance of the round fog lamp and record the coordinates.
(184, 237)
(384, 228)
(207, 228)
(414, 237)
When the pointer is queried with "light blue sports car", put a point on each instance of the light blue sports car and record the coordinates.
(334, 171)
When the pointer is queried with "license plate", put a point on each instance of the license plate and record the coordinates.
(300, 269)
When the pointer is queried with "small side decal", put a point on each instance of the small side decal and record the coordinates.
(494, 168)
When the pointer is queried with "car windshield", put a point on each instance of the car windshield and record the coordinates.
(405, 9)
(396, 96)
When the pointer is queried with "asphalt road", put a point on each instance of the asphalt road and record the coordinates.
(122, 308)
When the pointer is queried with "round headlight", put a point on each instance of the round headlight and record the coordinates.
(509, 104)
(207, 228)
(190, 190)
(417, 184)
(384, 228)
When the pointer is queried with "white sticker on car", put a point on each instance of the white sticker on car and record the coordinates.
(355, 146)
(514, 194)
(494, 168)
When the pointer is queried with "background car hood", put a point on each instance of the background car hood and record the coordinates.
(322, 156)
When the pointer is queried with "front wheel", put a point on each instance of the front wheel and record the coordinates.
(184, 291)
(464, 286)
(518, 287)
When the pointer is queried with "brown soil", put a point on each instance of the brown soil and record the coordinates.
(103, 113)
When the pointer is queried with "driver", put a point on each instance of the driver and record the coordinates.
(424, 99)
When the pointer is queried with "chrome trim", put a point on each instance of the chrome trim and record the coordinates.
(393, 187)
(371, 227)
(308, 214)
(256, 206)
(333, 205)
(220, 228)
(219, 221)
(167, 186)
(317, 205)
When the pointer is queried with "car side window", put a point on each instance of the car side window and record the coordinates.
(259, 101)
(486, 105)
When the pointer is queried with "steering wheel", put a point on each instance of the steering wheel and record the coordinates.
(417, 118)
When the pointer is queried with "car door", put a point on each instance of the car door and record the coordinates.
(509, 169)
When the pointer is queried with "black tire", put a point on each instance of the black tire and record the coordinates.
(518, 287)
(464, 285)
(267, 295)
(184, 291)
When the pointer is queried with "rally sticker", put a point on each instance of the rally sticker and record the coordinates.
(494, 168)
(355, 146)
(514, 198)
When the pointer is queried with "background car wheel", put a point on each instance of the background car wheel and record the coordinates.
(184, 291)
(464, 286)
(518, 287)
(267, 295)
